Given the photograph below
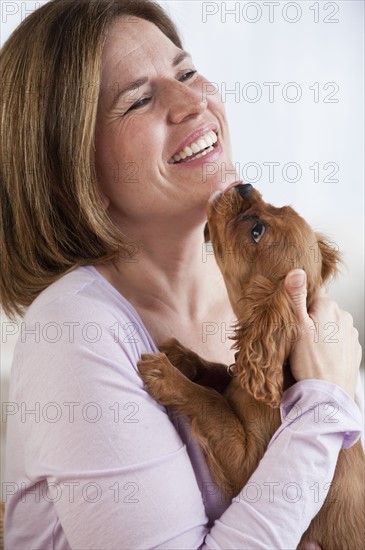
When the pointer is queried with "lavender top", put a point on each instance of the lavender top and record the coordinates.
(94, 462)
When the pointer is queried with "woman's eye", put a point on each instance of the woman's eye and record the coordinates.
(257, 231)
(145, 100)
(142, 102)
(187, 75)
(139, 103)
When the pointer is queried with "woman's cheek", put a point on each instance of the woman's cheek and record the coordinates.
(212, 96)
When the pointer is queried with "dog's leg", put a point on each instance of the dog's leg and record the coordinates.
(213, 422)
(204, 373)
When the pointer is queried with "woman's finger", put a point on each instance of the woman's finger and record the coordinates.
(296, 286)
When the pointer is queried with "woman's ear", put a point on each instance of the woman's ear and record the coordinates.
(265, 333)
(330, 256)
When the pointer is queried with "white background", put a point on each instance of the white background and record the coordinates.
(242, 45)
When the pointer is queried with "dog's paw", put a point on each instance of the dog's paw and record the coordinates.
(160, 378)
(181, 357)
(153, 365)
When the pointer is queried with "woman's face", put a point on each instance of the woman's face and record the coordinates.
(139, 132)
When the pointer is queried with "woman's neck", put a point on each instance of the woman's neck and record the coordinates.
(168, 273)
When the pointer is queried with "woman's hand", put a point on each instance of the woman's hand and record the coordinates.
(328, 348)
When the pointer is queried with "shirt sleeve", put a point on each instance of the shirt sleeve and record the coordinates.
(117, 471)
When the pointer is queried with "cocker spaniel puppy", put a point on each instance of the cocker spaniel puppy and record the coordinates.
(234, 418)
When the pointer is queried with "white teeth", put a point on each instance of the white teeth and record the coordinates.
(200, 144)
(203, 153)
(188, 151)
(209, 139)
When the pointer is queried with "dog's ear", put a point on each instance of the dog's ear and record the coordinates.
(330, 256)
(265, 333)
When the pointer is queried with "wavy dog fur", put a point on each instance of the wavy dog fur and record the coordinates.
(233, 419)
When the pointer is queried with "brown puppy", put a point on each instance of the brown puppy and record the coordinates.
(233, 419)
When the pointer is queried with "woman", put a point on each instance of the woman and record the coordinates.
(102, 232)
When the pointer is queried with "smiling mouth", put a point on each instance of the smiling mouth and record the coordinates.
(196, 149)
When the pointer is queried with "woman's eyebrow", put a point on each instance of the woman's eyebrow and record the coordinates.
(180, 57)
(128, 87)
(135, 84)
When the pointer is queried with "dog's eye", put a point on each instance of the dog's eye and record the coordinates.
(257, 231)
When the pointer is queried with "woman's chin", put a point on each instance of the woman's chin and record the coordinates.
(221, 184)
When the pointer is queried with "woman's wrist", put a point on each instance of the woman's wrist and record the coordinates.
(326, 403)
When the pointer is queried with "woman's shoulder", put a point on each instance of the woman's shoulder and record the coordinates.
(82, 306)
(84, 293)
(78, 332)
(83, 286)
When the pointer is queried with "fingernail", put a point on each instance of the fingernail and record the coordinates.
(297, 278)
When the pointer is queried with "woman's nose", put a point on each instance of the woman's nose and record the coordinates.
(183, 102)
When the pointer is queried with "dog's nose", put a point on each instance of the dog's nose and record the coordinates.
(244, 189)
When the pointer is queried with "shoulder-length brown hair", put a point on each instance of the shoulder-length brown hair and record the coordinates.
(52, 218)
